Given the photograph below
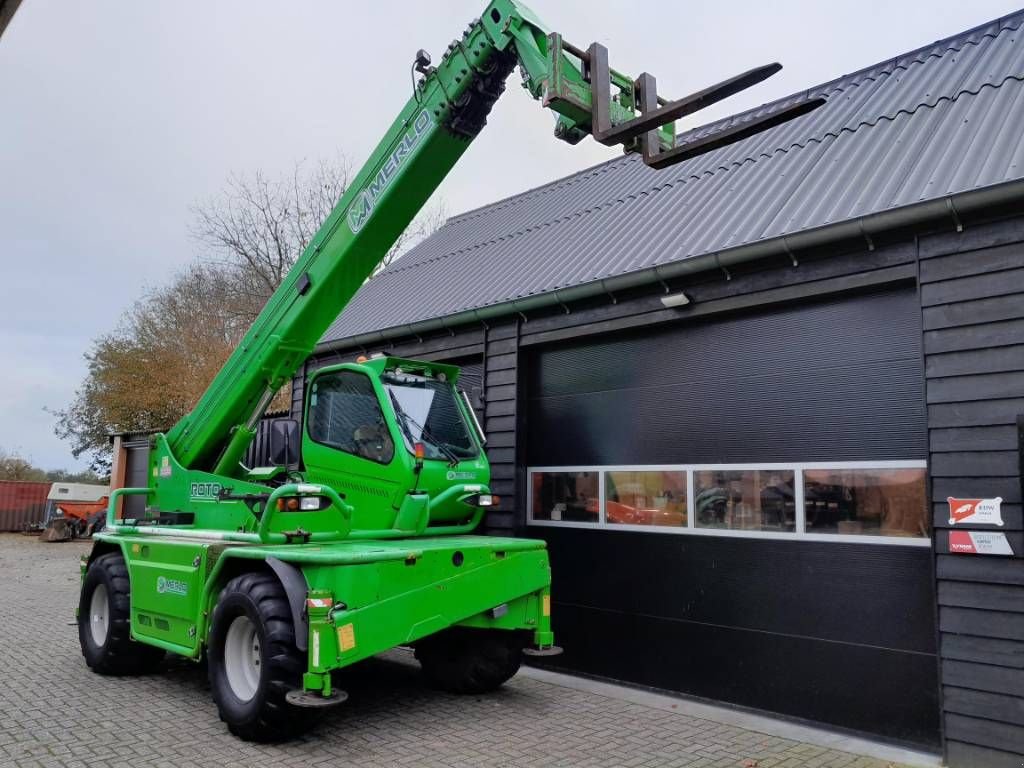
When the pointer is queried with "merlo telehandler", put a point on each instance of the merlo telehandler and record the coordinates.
(358, 539)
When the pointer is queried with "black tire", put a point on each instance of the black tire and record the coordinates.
(111, 652)
(463, 660)
(264, 716)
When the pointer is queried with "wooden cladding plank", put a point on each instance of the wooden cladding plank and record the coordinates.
(987, 386)
(498, 455)
(982, 438)
(502, 471)
(988, 733)
(501, 408)
(974, 312)
(970, 621)
(992, 570)
(1007, 488)
(983, 650)
(500, 378)
(991, 706)
(976, 287)
(501, 362)
(959, 265)
(501, 346)
(500, 440)
(973, 414)
(500, 522)
(501, 331)
(982, 235)
(504, 392)
(1000, 334)
(975, 464)
(974, 361)
(499, 424)
(983, 677)
(961, 755)
(993, 597)
(504, 488)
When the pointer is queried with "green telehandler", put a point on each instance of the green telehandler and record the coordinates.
(358, 538)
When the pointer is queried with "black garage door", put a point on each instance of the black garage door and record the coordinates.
(807, 614)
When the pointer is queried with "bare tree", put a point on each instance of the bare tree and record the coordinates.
(147, 373)
(260, 227)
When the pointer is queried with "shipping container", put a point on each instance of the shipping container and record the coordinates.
(22, 503)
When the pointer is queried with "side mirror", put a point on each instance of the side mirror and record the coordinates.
(284, 442)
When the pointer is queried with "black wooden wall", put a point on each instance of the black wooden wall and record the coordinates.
(972, 298)
(973, 319)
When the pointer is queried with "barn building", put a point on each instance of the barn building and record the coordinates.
(735, 396)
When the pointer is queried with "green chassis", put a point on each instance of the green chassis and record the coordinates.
(355, 598)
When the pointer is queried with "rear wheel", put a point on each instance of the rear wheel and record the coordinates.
(253, 660)
(104, 615)
(463, 660)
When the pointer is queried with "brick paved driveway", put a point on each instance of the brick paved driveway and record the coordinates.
(54, 712)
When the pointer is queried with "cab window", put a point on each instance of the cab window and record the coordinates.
(344, 414)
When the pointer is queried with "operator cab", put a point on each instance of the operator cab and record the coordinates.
(385, 427)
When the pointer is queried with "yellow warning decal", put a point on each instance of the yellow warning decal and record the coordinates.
(347, 637)
(546, 606)
(135, 549)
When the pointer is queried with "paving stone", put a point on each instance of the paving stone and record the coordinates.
(58, 714)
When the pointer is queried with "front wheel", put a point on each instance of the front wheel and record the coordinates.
(104, 621)
(463, 660)
(253, 660)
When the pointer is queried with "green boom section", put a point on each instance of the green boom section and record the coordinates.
(446, 111)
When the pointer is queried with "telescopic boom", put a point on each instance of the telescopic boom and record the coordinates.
(448, 108)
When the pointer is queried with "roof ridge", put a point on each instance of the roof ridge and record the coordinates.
(710, 171)
(902, 61)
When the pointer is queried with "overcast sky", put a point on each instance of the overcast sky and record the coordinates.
(116, 117)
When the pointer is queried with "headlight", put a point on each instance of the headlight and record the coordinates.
(483, 500)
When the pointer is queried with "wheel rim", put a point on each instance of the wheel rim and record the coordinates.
(242, 658)
(99, 615)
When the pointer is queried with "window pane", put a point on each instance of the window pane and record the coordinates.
(745, 499)
(428, 414)
(566, 496)
(344, 414)
(645, 498)
(881, 502)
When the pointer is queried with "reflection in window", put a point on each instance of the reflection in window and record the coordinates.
(884, 502)
(645, 498)
(745, 499)
(567, 496)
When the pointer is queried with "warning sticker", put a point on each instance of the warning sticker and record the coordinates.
(347, 637)
(545, 608)
(979, 511)
(979, 543)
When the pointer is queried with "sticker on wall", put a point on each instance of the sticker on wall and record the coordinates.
(978, 543)
(980, 511)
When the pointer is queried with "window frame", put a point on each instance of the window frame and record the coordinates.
(691, 529)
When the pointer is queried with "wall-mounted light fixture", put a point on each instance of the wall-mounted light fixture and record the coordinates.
(673, 300)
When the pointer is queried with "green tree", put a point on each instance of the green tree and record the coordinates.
(14, 466)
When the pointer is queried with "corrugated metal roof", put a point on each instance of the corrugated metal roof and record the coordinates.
(940, 120)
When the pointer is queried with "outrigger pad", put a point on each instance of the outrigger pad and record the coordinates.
(551, 650)
(314, 700)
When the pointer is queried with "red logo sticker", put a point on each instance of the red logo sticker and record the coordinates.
(981, 511)
(960, 541)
